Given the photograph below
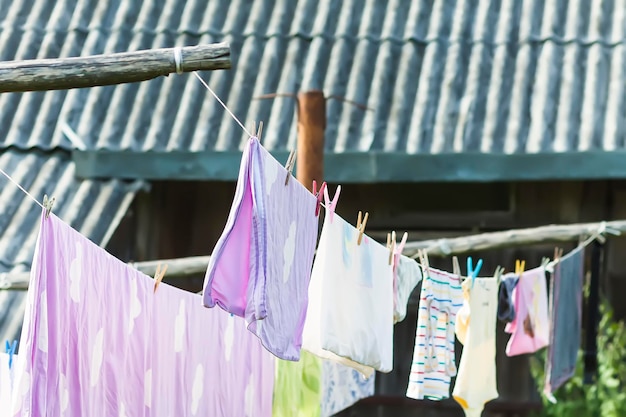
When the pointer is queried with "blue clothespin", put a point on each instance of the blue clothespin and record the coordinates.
(10, 349)
(471, 272)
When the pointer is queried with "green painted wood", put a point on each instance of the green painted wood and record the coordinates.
(353, 167)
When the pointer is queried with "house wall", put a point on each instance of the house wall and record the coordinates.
(179, 219)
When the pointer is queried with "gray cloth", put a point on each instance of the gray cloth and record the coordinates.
(506, 307)
(566, 293)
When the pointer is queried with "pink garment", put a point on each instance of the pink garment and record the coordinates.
(530, 330)
(97, 341)
(261, 266)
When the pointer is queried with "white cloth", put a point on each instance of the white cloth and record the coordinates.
(350, 312)
(476, 329)
(6, 384)
(408, 275)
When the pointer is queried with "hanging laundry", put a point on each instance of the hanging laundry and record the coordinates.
(566, 309)
(530, 330)
(407, 274)
(475, 384)
(506, 306)
(97, 340)
(297, 389)
(350, 312)
(261, 266)
(7, 384)
(342, 387)
(433, 357)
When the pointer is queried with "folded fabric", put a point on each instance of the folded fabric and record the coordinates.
(506, 307)
(342, 387)
(261, 265)
(433, 363)
(566, 321)
(298, 387)
(530, 330)
(407, 274)
(97, 340)
(350, 313)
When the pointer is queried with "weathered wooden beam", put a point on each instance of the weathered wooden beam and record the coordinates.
(511, 238)
(181, 267)
(119, 68)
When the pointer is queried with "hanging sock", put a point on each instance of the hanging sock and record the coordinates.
(565, 335)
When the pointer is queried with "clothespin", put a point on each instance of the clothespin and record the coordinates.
(519, 267)
(47, 204)
(391, 245)
(291, 161)
(456, 268)
(10, 350)
(360, 226)
(158, 275)
(473, 272)
(498, 274)
(331, 204)
(319, 195)
(423, 257)
(258, 133)
(558, 252)
(545, 261)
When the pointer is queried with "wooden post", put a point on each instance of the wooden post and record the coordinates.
(99, 70)
(311, 127)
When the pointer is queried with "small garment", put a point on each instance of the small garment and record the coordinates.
(298, 387)
(342, 387)
(530, 330)
(7, 378)
(565, 330)
(433, 363)
(261, 265)
(407, 274)
(506, 306)
(98, 340)
(476, 382)
(350, 312)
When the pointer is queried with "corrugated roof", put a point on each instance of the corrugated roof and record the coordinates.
(477, 76)
(94, 208)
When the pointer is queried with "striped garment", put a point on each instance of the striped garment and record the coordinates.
(433, 357)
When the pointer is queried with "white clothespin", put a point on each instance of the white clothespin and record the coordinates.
(47, 204)
(291, 161)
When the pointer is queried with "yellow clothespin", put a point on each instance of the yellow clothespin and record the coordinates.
(158, 276)
(47, 204)
(360, 226)
(519, 267)
(391, 245)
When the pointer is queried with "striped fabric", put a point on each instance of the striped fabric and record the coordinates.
(433, 358)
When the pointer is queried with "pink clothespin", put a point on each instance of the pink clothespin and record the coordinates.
(330, 205)
(319, 195)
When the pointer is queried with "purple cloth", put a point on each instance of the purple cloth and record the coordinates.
(97, 341)
(261, 265)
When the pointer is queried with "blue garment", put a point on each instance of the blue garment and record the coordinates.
(565, 330)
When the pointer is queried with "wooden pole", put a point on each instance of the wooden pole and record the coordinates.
(511, 238)
(99, 70)
(183, 267)
(311, 127)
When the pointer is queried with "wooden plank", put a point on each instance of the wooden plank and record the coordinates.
(99, 70)
(359, 167)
